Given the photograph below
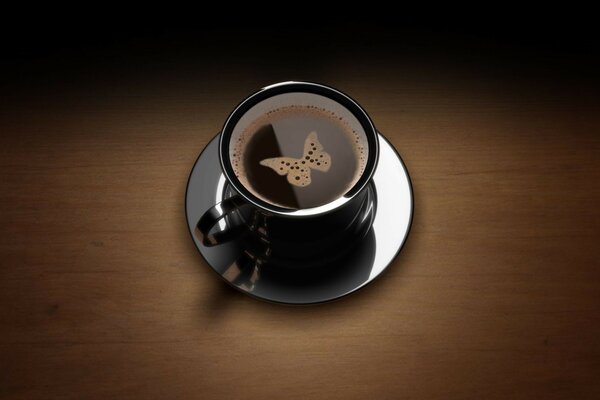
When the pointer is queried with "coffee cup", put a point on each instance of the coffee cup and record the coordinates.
(298, 159)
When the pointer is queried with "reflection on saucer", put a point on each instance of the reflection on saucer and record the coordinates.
(243, 275)
(345, 274)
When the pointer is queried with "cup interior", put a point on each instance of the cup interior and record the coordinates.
(300, 96)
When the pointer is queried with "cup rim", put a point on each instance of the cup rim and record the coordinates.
(301, 87)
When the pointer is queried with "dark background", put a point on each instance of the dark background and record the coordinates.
(60, 52)
(495, 295)
(62, 43)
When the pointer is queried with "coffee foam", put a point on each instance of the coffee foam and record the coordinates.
(357, 139)
(298, 170)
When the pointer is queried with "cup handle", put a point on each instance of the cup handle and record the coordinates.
(212, 217)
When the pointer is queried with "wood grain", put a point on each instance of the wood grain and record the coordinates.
(496, 294)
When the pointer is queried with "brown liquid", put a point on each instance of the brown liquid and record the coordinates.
(299, 157)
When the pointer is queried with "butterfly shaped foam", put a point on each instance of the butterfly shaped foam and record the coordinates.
(298, 170)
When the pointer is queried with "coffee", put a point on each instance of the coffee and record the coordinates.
(299, 156)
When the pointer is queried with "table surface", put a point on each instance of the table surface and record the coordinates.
(495, 295)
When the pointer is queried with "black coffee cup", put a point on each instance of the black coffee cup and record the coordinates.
(279, 232)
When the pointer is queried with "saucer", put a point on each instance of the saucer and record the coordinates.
(392, 206)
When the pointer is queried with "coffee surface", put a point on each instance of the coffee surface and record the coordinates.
(299, 156)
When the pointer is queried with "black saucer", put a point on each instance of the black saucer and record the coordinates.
(390, 207)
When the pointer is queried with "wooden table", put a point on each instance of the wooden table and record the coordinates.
(495, 295)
